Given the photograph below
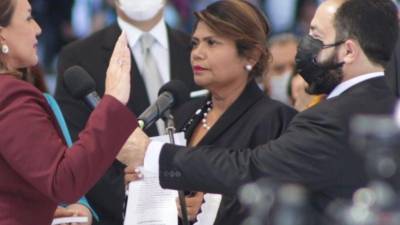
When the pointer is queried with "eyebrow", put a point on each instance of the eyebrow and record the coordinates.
(204, 38)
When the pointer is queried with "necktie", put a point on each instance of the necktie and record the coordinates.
(150, 73)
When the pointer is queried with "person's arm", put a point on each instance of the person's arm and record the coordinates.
(76, 113)
(32, 133)
(62, 175)
(305, 153)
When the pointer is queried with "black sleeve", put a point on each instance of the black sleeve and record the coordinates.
(305, 153)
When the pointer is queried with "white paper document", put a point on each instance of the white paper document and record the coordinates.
(209, 209)
(71, 219)
(148, 203)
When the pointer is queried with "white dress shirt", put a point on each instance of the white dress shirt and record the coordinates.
(160, 48)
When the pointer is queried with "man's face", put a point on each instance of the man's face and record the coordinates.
(322, 28)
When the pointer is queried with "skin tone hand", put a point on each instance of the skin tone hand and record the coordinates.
(136, 147)
(132, 154)
(193, 205)
(118, 80)
(74, 210)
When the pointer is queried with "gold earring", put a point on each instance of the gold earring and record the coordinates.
(5, 49)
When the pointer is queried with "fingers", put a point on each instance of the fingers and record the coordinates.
(118, 79)
(121, 50)
(193, 205)
(62, 212)
(132, 174)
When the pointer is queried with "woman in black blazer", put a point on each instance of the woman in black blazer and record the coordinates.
(228, 50)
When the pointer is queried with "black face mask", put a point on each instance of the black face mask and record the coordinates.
(322, 78)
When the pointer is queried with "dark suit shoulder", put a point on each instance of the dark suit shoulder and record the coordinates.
(266, 104)
(179, 35)
(369, 97)
(372, 96)
(270, 118)
(92, 43)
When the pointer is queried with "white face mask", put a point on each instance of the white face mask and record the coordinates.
(279, 87)
(141, 10)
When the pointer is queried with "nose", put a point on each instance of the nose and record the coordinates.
(37, 28)
(198, 52)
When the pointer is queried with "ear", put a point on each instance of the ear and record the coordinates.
(351, 51)
(253, 57)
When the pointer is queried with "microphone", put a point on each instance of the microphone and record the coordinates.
(171, 94)
(81, 85)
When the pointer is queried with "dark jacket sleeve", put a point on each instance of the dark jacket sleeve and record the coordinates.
(308, 160)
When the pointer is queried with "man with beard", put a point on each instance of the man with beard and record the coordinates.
(349, 43)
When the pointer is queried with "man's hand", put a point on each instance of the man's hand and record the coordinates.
(133, 152)
(193, 205)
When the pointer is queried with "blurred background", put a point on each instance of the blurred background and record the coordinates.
(64, 21)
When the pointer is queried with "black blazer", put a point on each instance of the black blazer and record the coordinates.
(93, 54)
(392, 72)
(314, 151)
(253, 119)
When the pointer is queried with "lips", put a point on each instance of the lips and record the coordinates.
(198, 69)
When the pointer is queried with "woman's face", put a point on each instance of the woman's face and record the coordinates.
(21, 37)
(215, 60)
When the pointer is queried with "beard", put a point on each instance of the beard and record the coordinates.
(329, 79)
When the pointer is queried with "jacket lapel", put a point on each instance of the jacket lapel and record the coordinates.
(249, 97)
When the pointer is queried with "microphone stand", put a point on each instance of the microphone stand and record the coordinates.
(170, 127)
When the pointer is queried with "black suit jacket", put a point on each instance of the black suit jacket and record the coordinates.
(314, 151)
(392, 72)
(253, 119)
(93, 54)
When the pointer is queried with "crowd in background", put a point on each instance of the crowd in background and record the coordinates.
(66, 20)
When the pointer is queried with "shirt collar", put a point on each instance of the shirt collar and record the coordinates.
(159, 32)
(342, 87)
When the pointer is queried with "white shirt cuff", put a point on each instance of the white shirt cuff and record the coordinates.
(152, 157)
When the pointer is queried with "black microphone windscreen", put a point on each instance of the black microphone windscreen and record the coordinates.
(78, 82)
(179, 91)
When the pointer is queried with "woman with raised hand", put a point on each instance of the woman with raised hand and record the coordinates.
(37, 169)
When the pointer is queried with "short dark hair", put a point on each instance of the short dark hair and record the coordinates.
(243, 23)
(373, 23)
